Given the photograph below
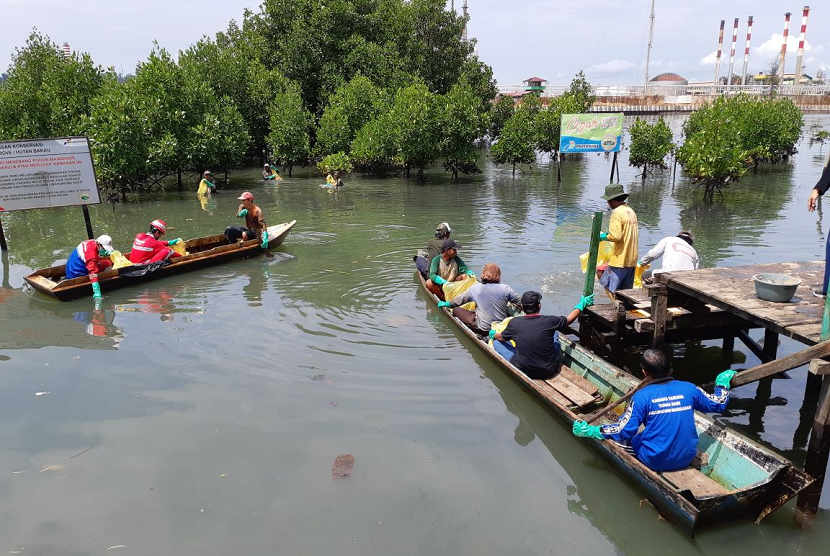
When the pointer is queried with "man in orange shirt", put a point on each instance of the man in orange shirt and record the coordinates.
(254, 222)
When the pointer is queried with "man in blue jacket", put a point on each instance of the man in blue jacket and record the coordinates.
(666, 407)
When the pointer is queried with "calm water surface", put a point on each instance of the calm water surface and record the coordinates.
(201, 414)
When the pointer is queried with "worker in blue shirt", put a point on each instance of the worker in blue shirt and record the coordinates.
(666, 407)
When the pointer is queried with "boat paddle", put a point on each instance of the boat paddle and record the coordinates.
(645, 382)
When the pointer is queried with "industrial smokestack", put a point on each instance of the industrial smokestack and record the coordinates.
(720, 50)
(800, 57)
(783, 56)
(746, 51)
(732, 54)
(67, 52)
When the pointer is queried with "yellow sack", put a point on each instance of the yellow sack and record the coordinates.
(606, 249)
(638, 275)
(499, 327)
(454, 289)
(180, 248)
(119, 260)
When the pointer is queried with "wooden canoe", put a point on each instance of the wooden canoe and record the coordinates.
(202, 252)
(738, 479)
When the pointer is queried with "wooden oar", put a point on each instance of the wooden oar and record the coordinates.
(797, 359)
(645, 382)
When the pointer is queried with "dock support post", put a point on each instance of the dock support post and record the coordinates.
(818, 450)
(619, 330)
(659, 295)
(728, 346)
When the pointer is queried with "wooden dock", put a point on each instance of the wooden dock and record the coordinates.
(720, 303)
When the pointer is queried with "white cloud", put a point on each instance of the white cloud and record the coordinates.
(612, 66)
(710, 59)
(773, 46)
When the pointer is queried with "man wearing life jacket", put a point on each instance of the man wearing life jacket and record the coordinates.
(147, 248)
(88, 258)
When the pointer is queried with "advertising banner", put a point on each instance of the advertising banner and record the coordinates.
(590, 133)
(41, 173)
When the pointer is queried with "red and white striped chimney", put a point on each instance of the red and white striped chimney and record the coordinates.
(783, 56)
(746, 50)
(798, 67)
(732, 54)
(67, 52)
(720, 50)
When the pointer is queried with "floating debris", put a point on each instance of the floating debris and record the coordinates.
(318, 377)
(343, 467)
(42, 393)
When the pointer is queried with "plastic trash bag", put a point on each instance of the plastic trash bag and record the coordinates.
(606, 249)
(119, 260)
(179, 248)
(499, 327)
(454, 289)
(638, 275)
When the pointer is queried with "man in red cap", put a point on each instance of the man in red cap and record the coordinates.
(254, 222)
(148, 248)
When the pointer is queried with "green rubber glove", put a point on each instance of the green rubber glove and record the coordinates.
(469, 272)
(174, 241)
(103, 253)
(725, 378)
(603, 236)
(584, 301)
(440, 281)
(264, 244)
(584, 430)
(492, 334)
(442, 304)
(242, 213)
(96, 290)
(640, 262)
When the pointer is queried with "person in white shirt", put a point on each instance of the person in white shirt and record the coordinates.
(677, 253)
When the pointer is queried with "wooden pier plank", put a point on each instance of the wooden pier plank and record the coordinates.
(733, 289)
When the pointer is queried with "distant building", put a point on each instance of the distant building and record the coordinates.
(535, 85)
(668, 80)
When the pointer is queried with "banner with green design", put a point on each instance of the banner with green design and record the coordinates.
(590, 133)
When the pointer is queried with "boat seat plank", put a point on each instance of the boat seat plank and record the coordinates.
(550, 393)
(694, 481)
(578, 380)
(577, 395)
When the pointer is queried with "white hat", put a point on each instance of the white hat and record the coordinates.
(443, 227)
(105, 241)
(207, 173)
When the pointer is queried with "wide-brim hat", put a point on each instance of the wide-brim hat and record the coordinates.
(614, 191)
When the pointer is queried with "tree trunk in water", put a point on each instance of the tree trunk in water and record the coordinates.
(514, 168)
(290, 169)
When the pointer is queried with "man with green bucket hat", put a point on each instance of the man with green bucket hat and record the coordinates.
(623, 233)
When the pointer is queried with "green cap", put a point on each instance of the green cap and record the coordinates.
(614, 191)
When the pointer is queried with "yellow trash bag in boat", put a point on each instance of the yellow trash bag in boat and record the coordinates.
(499, 327)
(179, 248)
(119, 260)
(454, 289)
(606, 249)
(638, 275)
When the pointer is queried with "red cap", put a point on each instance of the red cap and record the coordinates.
(247, 196)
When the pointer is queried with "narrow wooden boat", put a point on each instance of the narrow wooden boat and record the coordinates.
(737, 479)
(202, 252)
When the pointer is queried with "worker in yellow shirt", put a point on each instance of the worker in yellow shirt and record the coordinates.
(623, 233)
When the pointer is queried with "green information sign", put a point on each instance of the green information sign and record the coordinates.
(591, 133)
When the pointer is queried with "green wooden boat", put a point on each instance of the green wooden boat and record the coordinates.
(734, 479)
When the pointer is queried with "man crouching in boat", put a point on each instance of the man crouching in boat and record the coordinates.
(88, 258)
(150, 248)
(254, 222)
(491, 298)
(666, 406)
(537, 347)
(446, 267)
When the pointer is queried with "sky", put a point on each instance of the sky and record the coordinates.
(552, 39)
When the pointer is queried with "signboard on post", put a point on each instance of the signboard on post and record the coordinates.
(590, 133)
(42, 173)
